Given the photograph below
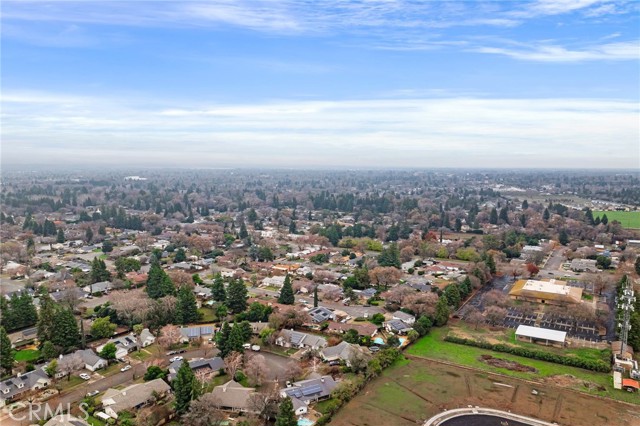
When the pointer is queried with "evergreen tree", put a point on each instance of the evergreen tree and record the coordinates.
(292, 227)
(525, 205)
(217, 290)
(243, 231)
(187, 308)
(246, 331)
(48, 350)
(604, 219)
(546, 215)
(493, 216)
(236, 339)
(66, 335)
(158, 282)
(46, 319)
(390, 256)
(452, 293)
(465, 286)
(24, 310)
(286, 292)
(637, 265)
(315, 296)
(286, 416)
(99, 271)
(237, 296)
(6, 352)
(180, 256)
(491, 263)
(60, 237)
(7, 318)
(504, 215)
(563, 238)
(222, 339)
(185, 388)
(442, 311)
(88, 235)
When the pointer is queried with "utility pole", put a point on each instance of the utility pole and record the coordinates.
(626, 307)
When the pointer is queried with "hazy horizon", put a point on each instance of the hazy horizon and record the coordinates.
(347, 85)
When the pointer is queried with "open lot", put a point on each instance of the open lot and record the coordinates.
(416, 389)
(629, 220)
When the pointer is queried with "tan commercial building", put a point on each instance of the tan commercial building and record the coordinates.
(546, 292)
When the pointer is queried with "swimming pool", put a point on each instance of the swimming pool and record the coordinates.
(378, 341)
(402, 340)
(305, 422)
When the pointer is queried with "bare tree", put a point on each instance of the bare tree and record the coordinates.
(203, 412)
(180, 278)
(265, 404)
(255, 367)
(69, 364)
(422, 303)
(233, 362)
(293, 370)
(385, 276)
(132, 305)
(496, 298)
(495, 314)
(169, 336)
(474, 316)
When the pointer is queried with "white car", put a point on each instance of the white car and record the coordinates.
(85, 376)
(176, 358)
(255, 348)
(125, 368)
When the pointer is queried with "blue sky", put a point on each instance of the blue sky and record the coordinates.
(322, 84)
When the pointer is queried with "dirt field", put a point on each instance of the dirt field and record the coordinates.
(414, 391)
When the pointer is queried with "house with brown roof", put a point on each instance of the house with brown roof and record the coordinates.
(133, 397)
(232, 396)
(546, 292)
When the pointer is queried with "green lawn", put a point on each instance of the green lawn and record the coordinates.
(145, 353)
(208, 315)
(93, 421)
(27, 355)
(627, 219)
(72, 382)
(433, 346)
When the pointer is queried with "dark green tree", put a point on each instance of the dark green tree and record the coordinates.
(491, 263)
(222, 339)
(108, 352)
(504, 215)
(237, 296)
(286, 416)
(563, 237)
(637, 265)
(452, 293)
(99, 271)
(154, 372)
(546, 215)
(315, 296)
(604, 220)
(493, 216)
(46, 319)
(390, 256)
(286, 292)
(442, 311)
(185, 388)
(48, 350)
(107, 246)
(180, 256)
(66, 335)
(422, 325)
(6, 353)
(525, 205)
(88, 235)
(158, 282)
(243, 231)
(60, 237)
(187, 307)
(236, 339)
(217, 290)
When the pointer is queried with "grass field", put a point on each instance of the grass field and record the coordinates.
(433, 347)
(412, 391)
(630, 220)
(27, 355)
(208, 315)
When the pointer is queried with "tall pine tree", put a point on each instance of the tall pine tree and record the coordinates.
(6, 352)
(222, 339)
(187, 308)
(185, 388)
(286, 292)
(46, 319)
(66, 335)
(217, 290)
(158, 282)
(442, 311)
(237, 296)
(286, 416)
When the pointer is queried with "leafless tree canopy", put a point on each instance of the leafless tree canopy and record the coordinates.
(255, 367)
(233, 362)
(203, 412)
(169, 335)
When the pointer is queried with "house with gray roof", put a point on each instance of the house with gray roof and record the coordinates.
(14, 388)
(202, 292)
(197, 332)
(66, 420)
(133, 397)
(146, 338)
(397, 326)
(404, 317)
(95, 288)
(206, 367)
(321, 314)
(343, 352)
(233, 396)
(92, 362)
(124, 345)
(305, 392)
(296, 339)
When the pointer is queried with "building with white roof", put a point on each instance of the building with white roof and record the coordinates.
(543, 336)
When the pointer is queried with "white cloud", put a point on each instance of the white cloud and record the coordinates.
(629, 50)
(443, 132)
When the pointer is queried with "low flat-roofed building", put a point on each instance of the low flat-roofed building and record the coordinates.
(547, 292)
(584, 265)
(543, 336)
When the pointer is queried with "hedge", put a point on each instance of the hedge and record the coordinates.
(587, 364)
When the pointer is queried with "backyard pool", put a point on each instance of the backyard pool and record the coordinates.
(305, 422)
(378, 341)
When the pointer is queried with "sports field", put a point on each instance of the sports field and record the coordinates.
(629, 220)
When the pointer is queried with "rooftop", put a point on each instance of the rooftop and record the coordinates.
(541, 333)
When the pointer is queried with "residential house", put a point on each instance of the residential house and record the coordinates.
(343, 352)
(584, 265)
(92, 362)
(202, 292)
(397, 326)
(321, 314)
(257, 327)
(101, 287)
(133, 397)
(277, 281)
(233, 396)
(404, 317)
(305, 392)
(16, 387)
(146, 338)
(197, 332)
(363, 328)
(124, 345)
(296, 339)
(203, 368)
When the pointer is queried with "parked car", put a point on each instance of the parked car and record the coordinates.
(85, 376)
(255, 348)
(176, 358)
(171, 353)
(125, 368)
(93, 393)
(247, 346)
(336, 362)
